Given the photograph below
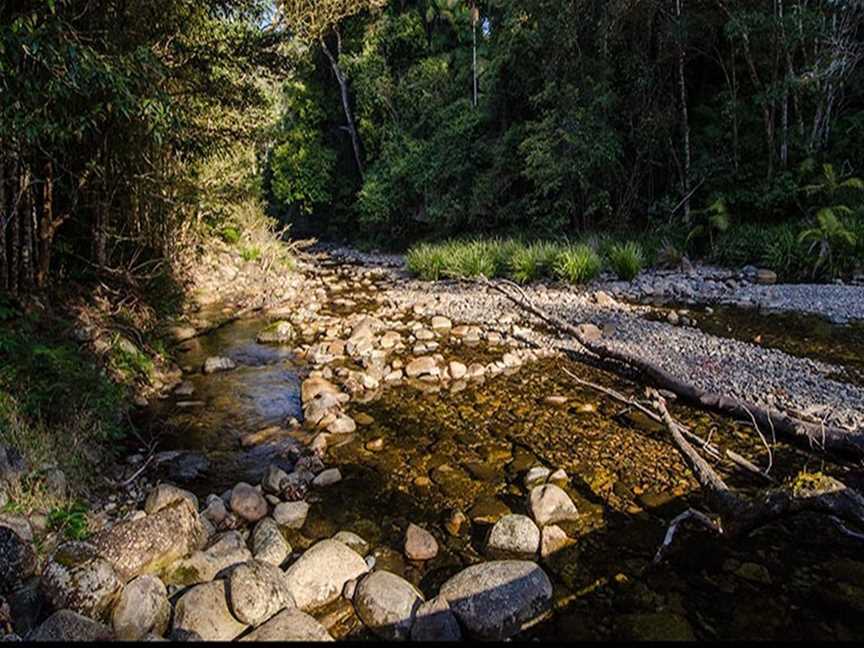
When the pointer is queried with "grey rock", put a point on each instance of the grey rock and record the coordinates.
(66, 625)
(274, 480)
(258, 590)
(78, 578)
(387, 604)
(248, 503)
(320, 574)
(142, 609)
(514, 535)
(353, 541)
(268, 543)
(495, 600)
(435, 621)
(290, 625)
(549, 504)
(216, 363)
(17, 559)
(166, 494)
(228, 550)
(291, 514)
(204, 610)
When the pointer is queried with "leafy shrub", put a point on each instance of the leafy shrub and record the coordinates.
(70, 520)
(577, 264)
(252, 253)
(626, 260)
(230, 235)
(530, 262)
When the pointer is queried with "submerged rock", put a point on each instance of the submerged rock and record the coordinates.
(216, 364)
(495, 600)
(280, 332)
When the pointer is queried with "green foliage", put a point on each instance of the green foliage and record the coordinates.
(531, 262)
(230, 235)
(831, 238)
(250, 253)
(70, 520)
(713, 219)
(427, 261)
(627, 260)
(578, 264)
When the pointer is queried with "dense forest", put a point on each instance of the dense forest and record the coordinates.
(441, 117)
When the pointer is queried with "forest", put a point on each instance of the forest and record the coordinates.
(431, 319)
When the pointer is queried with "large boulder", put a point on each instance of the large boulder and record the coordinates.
(514, 536)
(387, 604)
(248, 503)
(228, 550)
(258, 590)
(149, 544)
(165, 495)
(66, 626)
(204, 610)
(291, 515)
(495, 600)
(290, 625)
(318, 576)
(435, 621)
(549, 504)
(143, 609)
(17, 559)
(78, 578)
(268, 543)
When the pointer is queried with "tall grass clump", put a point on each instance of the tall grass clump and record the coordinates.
(531, 262)
(427, 261)
(577, 264)
(626, 260)
(465, 259)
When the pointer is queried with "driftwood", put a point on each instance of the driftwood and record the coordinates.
(815, 435)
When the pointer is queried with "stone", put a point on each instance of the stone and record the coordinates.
(342, 425)
(228, 550)
(268, 543)
(291, 515)
(67, 626)
(549, 504)
(184, 389)
(553, 539)
(535, 476)
(589, 332)
(387, 603)
(280, 332)
(319, 575)
(556, 401)
(215, 364)
(151, 543)
(216, 511)
(441, 323)
(258, 590)
(327, 478)
(435, 621)
(78, 578)
(495, 600)
(166, 494)
(17, 559)
(204, 610)
(19, 524)
(290, 625)
(55, 481)
(765, 277)
(514, 536)
(248, 503)
(420, 544)
(457, 370)
(143, 608)
(353, 541)
(423, 366)
(314, 387)
(274, 479)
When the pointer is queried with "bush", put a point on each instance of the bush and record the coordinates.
(533, 261)
(626, 260)
(578, 264)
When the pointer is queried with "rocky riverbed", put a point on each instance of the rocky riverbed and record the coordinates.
(389, 459)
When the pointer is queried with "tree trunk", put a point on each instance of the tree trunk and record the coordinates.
(47, 226)
(346, 107)
(685, 119)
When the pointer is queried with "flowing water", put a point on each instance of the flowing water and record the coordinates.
(437, 451)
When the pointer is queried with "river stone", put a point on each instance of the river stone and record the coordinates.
(268, 543)
(423, 366)
(327, 478)
(420, 544)
(291, 514)
(319, 575)
(248, 503)
(457, 370)
(151, 543)
(258, 591)
(515, 535)
(165, 494)
(17, 559)
(435, 621)
(216, 364)
(549, 504)
(274, 480)
(553, 540)
(216, 511)
(143, 608)
(495, 600)
(315, 386)
(387, 604)
(204, 610)
(290, 625)
(277, 333)
(67, 626)
(203, 566)
(78, 578)
(353, 541)
(441, 323)
(535, 476)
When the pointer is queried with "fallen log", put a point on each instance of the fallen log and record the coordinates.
(815, 435)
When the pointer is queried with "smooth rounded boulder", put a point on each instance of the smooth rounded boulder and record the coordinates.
(290, 625)
(550, 504)
(319, 575)
(248, 503)
(514, 535)
(77, 578)
(495, 600)
(258, 590)
(387, 604)
(142, 609)
(204, 610)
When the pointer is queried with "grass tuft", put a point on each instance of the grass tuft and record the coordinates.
(627, 260)
(578, 264)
